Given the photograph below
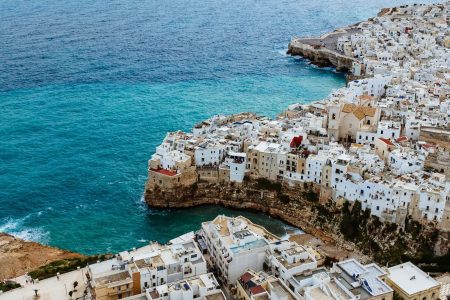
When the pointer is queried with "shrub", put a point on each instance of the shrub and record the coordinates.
(284, 198)
(64, 266)
(311, 196)
(266, 184)
(7, 286)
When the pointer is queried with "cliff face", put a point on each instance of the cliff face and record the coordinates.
(245, 197)
(320, 56)
(306, 207)
(18, 256)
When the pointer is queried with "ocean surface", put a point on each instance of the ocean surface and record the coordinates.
(88, 89)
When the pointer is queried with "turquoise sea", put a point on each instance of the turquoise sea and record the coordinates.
(89, 88)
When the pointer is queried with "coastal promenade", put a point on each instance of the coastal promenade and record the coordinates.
(53, 288)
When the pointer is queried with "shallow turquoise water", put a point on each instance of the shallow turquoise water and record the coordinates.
(76, 157)
(88, 90)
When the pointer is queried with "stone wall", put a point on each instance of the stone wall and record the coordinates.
(160, 181)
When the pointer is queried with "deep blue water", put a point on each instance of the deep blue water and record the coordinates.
(89, 88)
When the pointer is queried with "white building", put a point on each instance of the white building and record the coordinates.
(235, 245)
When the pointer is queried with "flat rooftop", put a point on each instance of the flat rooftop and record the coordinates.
(297, 263)
(114, 277)
(410, 278)
(371, 285)
(317, 294)
(216, 296)
(280, 290)
(249, 246)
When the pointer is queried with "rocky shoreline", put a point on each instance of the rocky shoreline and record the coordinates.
(251, 198)
(18, 257)
(320, 51)
(319, 217)
(308, 207)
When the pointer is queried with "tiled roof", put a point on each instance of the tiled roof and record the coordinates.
(387, 141)
(257, 290)
(296, 141)
(246, 277)
(365, 97)
(165, 172)
(359, 111)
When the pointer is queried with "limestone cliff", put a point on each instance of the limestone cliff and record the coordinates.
(310, 209)
(18, 256)
(320, 56)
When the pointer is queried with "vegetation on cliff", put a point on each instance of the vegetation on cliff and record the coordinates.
(18, 257)
(386, 242)
(65, 265)
(7, 286)
(348, 225)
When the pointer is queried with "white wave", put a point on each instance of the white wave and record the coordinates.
(16, 228)
(291, 231)
(142, 206)
(33, 234)
(282, 52)
(142, 240)
(8, 225)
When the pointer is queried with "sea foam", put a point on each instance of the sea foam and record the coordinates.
(17, 228)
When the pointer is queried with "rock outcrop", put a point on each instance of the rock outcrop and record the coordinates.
(307, 207)
(18, 257)
(319, 55)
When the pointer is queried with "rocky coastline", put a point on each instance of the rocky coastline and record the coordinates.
(320, 51)
(309, 206)
(18, 257)
(315, 50)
